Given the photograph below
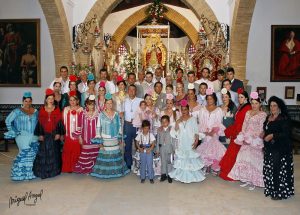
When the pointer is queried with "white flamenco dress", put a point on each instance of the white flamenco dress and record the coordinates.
(187, 164)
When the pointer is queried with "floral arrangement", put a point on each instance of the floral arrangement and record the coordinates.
(156, 10)
(128, 64)
(177, 61)
(76, 68)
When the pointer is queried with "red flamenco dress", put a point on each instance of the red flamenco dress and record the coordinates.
(72, 148)
(233, 149)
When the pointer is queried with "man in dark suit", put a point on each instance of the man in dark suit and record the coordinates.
(235, 83)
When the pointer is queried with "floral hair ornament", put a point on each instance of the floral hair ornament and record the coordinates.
(224, 91)
(254, 95)
(119, 78)
(169, 96)
(73, 93)
(209, 91)
(183, 103)
(72, 78)
(191, 86)
(92, 97)
(49, 92)
(27, 94)
(90, 77)
(102, 84)
(240, 90)
(108, 96)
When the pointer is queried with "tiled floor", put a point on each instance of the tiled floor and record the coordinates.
(81, 194)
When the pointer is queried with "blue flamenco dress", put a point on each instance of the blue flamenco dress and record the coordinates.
(110, 162)
(21, 127)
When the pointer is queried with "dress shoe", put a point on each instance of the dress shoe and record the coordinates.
(170, 179)
(163, 177)
(151, 181)
(143, 181)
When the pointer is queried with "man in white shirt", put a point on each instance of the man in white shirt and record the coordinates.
(113, 81)
(218, 83)
(82, 86)
(141, 78)
(103, 77)
(205, 72)
(131, 105)
(148, 85)
(64, 80)
(201, 97)
(131, 80)
(191, 80)
(234, 96)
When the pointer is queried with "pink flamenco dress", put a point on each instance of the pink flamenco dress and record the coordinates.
(211, 150)
(248, 167)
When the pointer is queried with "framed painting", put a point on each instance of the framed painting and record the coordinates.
(289, 92)
(262, 93)
(20, 64)
(285, 53)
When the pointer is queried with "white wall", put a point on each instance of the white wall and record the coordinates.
(15, 9)
(267, 13)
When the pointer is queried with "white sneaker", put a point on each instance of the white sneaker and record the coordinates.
(252, 187)
(245, 184)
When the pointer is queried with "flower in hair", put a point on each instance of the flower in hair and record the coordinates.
(191, 86)
(183, 103)
(27, 94)
(169, 96)
(102, 84)
(254, 95)
(49, 92)
(72, 93)
(224, 91)
(209, 91)
(91, 77)
(240, 90)
(119, 78)
(92, 97)
(72, 78)
(108, 96)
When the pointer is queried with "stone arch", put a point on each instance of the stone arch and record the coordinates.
(242, 17)
(141, 15)
(59, 31)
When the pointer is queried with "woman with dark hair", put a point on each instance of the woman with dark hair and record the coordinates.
(248, 167)
(192, 101)
(20, 124)
(87, 123)
(72, 87)
(91, 83)
(57, 93)
(50, 130)
(211, 128)
(187, 164)
(231, 132)
(119, 97)
(110, 162)
(100, 100)
(71, 149)
(278, 167)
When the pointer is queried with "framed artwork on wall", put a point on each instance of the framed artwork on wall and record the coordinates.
(285, 53)
(262, 93)
(20, 62)
(289, 92)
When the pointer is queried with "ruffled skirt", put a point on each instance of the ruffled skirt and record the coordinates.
(23, 163)
(249, 166)
(187, 167)
(70, 154)
(110, 162)
(87, 159)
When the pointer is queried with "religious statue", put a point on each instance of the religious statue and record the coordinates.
(154, 52)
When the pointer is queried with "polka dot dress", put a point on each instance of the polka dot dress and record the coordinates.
(278, 167)
(278, 176)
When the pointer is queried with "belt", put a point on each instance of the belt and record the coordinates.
(130, 122)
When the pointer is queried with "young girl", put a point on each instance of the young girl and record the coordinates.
(145, 144)
(140, 115)
(87, 123)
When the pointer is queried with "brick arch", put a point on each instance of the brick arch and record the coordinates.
(140, 15)
(242, 16)
(59, 31)
(104, 7)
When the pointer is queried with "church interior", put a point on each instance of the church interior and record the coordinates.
(133, 35)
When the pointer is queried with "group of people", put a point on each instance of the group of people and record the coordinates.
(191, 127)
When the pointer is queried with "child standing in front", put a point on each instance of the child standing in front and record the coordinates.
(166, 148)
(145, 144)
